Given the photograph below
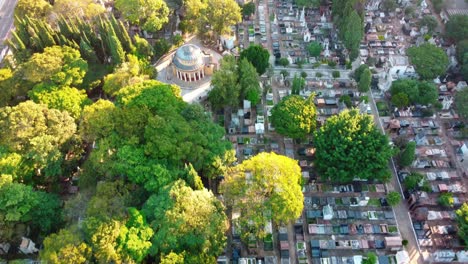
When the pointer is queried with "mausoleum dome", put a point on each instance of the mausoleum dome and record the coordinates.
(189, 57)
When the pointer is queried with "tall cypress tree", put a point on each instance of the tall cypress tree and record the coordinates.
(116, 50)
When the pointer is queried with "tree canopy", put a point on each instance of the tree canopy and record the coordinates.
(457, 27)
(429, 60)
(258, 56)
(151, 15)
(36, 134)
(408, 155)
(314, 49)
(186, 221)
(294, 116)
(249, 82)
(212, 15)
(349, 146)
(264, 187)
(417, 92)
(226, 89)
(461, 97)
(393, 198)
(365, 81)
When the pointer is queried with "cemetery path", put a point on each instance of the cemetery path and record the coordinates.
(404, 222)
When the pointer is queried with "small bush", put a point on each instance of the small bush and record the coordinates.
(336, 74)
(318, 74)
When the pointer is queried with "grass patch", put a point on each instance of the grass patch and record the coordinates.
(372, 188)
(392, 229)
(374, 202)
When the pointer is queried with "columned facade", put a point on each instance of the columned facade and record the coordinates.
(189, 63)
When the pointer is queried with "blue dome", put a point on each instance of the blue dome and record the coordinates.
(189, 57)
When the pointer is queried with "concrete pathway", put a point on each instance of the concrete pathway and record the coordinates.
(404, 222)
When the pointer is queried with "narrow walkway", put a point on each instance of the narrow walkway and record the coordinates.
(404, 222)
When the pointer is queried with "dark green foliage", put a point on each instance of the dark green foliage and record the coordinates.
(258, 56)
(186, 221)
(336, 74)
(225, 82)
(430, 22)
(430, 61)
(353, 33)
(161, 47)
(283, 62)
(457, 27)
(248, 9)
(412, 181)
(365, 81)
(20, 204)
(32, 35)
(400, 100)
(389, 5)
(461, 99)
(446, 199)
(418, 92)
(346, 99)
(371, 259)
(358, 72)
(393, 198)
(294, 116)
(408, 155)
(314, 49)
(298, 85)
(349, 146)
(249, 82)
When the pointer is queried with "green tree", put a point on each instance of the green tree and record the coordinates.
(461, 97)
(249, 82)
(457, 27)
(149, 15)
(336, 74)
(20, 204)
(128, 73)
(462, 49)
(65, 98)
(358, 72)
(353, 34)
(67, 246)
(97, 120)
(365, 81)
(248, 9)
(264, 187)
(37, 134)
(178, 207)
(61, 65)
(393, 198)
(304, 74)
(37, 9)
(346, 99)
(430, 22)
(226, 89)
(408, 155)
(143, 49)
(283, 62)
(462, 219)
(258, 56)
(314, 49)
(82, 9)
(298, 84)
(446, 199)
(161, 47)
(412, 181)
(135, 236)
(400, 100)
(349, 146)
(294, 116)
(389, 5)
(418, 92)
(429, 60)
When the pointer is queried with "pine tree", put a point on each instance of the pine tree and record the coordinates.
(87, 52)
(116, 50)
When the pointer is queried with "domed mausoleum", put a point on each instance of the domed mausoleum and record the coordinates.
(190, 64)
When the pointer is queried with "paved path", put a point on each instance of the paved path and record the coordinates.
(6, 23)
(405, 225)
